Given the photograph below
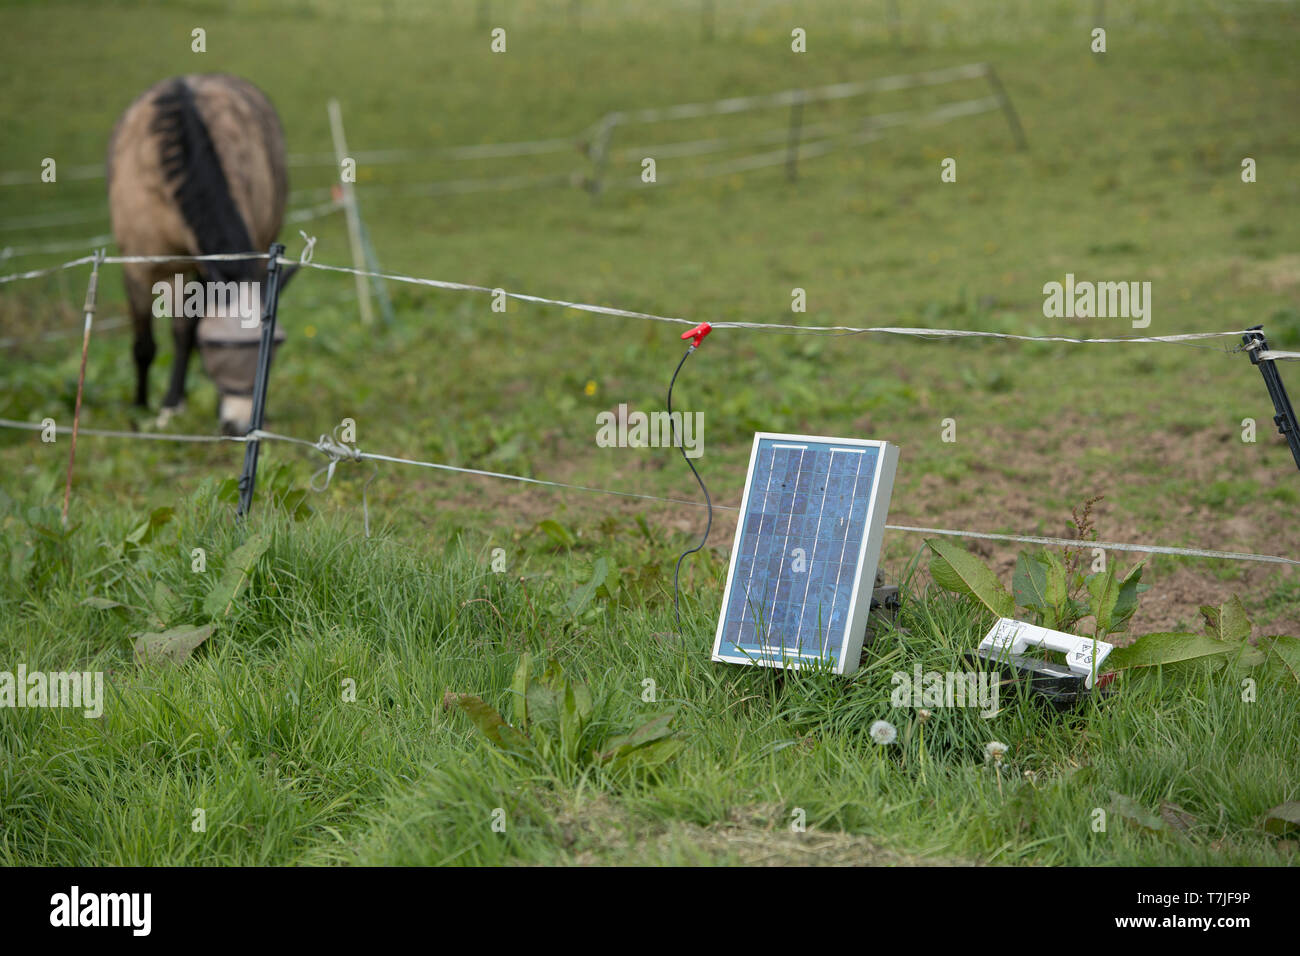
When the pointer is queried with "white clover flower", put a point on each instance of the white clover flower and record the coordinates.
(883, 732)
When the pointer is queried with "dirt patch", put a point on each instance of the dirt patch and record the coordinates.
(1010, 498)
(1043, 459)
(598, 832)
(1279, 274)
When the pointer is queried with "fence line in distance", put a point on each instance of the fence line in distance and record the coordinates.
(337, 452)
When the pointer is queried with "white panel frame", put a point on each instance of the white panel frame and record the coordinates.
(868, 554)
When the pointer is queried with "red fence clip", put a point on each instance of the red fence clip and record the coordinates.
(698, 334)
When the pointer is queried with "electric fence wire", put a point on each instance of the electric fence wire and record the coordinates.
(708, 501)
(914, 331)
(329, 448)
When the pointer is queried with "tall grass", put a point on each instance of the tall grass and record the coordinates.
(257, 731)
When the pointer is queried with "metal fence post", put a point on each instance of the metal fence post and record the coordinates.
(248, 479)
(1285, 419)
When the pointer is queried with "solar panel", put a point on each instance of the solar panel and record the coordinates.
(807, 545)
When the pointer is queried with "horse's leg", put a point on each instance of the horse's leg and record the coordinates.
(184, 330)
(143, 348)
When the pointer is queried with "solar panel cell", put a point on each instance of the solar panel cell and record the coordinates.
(806, 546)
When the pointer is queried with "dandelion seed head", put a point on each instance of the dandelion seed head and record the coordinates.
(883, 732)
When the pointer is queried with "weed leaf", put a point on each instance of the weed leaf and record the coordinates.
(1283, 817)
(235, 576)
(1286, 649)
(1128, 808)
(1039, 584)
(956, 569)
(489, 722)
(1126, 602)
(145, 532)
(1228, 621)
(519, 687)
(647, 733)
(1105, 594)
(558, 533)
(1176, 817)
(584, 595)
(175, 645)
(1165, 647)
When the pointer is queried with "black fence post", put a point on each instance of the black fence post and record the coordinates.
(248, 479)
(1285, 419)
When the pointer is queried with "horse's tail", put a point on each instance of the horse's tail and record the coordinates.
(191, 166)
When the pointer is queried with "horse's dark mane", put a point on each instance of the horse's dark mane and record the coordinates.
(191, 165)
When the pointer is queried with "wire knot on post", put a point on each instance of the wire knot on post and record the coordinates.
(338, 450)
(308, 249)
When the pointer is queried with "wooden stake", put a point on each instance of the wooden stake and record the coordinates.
(600, 153)
(792, 141)
(353, 216)
(81, 378)
(895, 22)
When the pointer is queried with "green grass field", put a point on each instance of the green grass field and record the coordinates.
(1133, 173)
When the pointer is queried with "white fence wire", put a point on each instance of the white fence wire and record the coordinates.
(337, 452)
(917, 332)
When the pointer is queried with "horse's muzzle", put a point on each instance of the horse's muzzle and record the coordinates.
(236, 414)
(229, 353)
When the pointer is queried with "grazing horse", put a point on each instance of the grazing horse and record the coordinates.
(196, 166)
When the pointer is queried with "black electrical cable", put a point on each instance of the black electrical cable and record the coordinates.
(708, 501)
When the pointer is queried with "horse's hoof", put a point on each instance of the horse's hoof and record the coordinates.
(165, 415)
